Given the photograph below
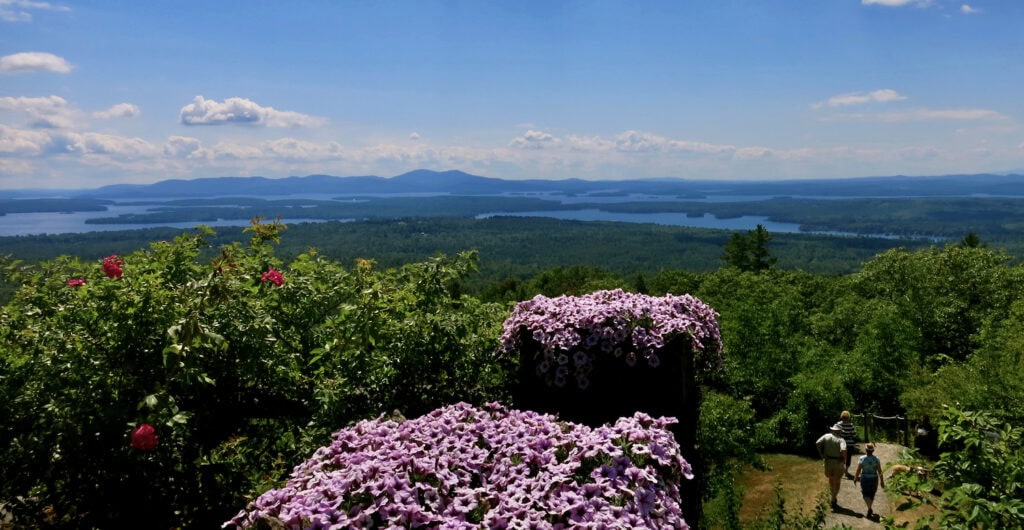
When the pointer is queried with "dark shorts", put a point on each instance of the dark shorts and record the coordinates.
(868, 487)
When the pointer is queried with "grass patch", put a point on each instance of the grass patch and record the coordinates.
(906, 518)
(802, 479)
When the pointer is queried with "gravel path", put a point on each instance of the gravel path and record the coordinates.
(852, 511)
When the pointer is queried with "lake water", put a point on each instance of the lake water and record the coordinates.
(747, 222)
(23, 224)
(20, 224)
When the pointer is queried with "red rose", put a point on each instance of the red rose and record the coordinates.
(76, 282)
(273, 276)
(112, 266)
(144, 437)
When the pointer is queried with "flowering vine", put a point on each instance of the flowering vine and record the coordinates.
(573, 330)
(462, 467)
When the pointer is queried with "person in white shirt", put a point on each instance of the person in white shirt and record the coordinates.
(832, 449)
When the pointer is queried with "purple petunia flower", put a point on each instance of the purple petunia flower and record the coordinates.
(613, 323)
(463, 467)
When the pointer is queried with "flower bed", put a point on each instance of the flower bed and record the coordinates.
(594, 358)
(568, 334)
(490, 467)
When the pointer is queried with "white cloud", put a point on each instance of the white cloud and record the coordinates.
(50, 112)
(754, 153)
(241, 111)
(234, 151)
(625, 142)
(897, 3)
(968, 10)
(635, 141)
(121, 110)
(23, 142)
(26, 151)
(590, 143)
(182, 147)
(924, 115)
(8, 15)
(414, 136)
(34, 62)
(919, 153)
(535, 140)
(884, 95)
(123, 147)
(18, 10)
(17, 166)
(293, 149)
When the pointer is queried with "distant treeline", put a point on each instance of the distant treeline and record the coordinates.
(52, 205)
(509, 247)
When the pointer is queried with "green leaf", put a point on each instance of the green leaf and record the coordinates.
(180, 418)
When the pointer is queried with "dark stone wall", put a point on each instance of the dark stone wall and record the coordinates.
(616, 390)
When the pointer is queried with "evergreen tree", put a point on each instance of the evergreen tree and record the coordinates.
(749, 252)
(971, 240)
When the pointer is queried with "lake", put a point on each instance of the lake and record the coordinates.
(21, 224)
(746, 222)
(24, 224)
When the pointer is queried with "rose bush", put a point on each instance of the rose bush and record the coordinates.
(236, 380)
(489, 467)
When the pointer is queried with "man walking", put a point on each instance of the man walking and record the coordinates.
(850, 435)
(832, 449)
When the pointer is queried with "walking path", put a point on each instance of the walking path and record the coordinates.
(852, 511)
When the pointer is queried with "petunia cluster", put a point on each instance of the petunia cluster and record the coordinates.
(112, 266)
(573, 330)
(273, 276)
(76, 282)
(462, 467)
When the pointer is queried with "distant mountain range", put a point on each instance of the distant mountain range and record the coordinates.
(460, 183)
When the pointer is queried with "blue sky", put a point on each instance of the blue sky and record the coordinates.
(95, 93)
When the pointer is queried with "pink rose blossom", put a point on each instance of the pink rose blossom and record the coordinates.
(144, 438)
(112, 266)
(273, 276)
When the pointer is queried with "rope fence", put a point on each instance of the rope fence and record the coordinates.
(877, 428)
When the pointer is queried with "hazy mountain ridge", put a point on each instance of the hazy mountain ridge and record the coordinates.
(458, 182)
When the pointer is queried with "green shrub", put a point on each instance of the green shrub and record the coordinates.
(980, 474)
(241, 365)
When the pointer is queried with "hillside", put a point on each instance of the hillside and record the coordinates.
(458, 182)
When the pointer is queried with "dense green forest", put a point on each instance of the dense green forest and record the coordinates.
(511, 249)
(246, 354)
